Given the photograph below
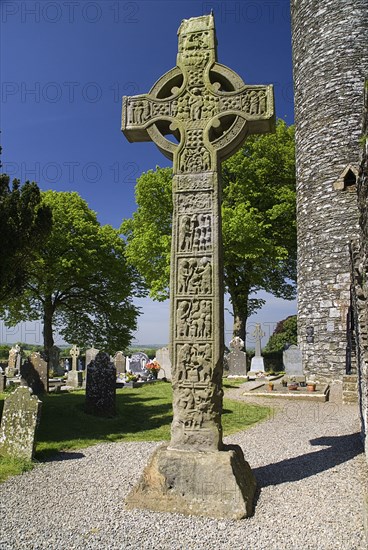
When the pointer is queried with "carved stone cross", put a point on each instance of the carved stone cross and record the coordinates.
(74, 354)
(258, 335)
(208, 111)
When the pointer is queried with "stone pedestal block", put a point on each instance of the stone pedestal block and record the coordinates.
(216, 484)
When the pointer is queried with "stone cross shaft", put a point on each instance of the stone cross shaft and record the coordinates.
(258, 335)
(208, 111)
(74, 354)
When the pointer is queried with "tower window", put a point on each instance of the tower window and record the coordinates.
(347, 179)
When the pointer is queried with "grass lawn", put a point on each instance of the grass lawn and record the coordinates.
(143, 414)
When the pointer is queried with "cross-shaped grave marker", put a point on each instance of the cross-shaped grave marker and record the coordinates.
(74, 354)
(209, 111)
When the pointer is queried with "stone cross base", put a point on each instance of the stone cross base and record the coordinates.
(74, 379)
(257, 364)
(216, 484)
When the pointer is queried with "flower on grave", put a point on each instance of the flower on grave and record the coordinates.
(130, 377)
(153, 367)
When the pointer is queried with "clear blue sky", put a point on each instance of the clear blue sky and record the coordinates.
(66, 65)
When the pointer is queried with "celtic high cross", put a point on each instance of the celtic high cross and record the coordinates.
(209, 111)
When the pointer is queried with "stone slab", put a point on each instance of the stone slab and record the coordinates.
(321, 394)
(216, 484)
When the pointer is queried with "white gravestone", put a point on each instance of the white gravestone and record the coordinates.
(163, 359)
(257, 363)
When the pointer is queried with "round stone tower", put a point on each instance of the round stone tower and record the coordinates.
(330, 58)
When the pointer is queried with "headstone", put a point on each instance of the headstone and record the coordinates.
(75, 377)
(101, 386)
(292, 360)
(54, 361)
(2, 382)
(257, 363)
(196, 101)
(119, 362)
(236, 359)
(34, 373)
(14, 361)
(137, 363)
(91, 354)
(163, 358)
(19, 422)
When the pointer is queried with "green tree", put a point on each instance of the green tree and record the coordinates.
(80, 282)
(259, 224)
(24, 224)
(284, 333)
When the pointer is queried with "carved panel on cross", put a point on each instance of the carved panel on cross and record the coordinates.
(189, 182)
(194, 276)
(139, 111)
(194, 406)
(192, 202)
(194, 363)
(194, 159)
(194, 319)
(197, 104)
(195, 233)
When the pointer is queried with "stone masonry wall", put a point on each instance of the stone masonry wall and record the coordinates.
(330, 61)
(359, 253)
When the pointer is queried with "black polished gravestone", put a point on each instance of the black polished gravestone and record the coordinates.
(101, 386)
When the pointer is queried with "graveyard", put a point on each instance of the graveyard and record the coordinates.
(211, 439)
(142, 414)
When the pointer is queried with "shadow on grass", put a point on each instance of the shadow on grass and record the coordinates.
(340, 449)
(64, 423)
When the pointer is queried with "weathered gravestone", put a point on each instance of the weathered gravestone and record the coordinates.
(207, 107)
(14, 361)
(75, 377)
(54, 361)
(257, 363)
(19, 422)
(236, 359)
(101, 386)
(292, 360)
(137, 363)
(2, 382)
(90, 356)
(119, 362)
(34, 373)
(163, 359)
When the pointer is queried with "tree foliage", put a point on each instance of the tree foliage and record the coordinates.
(24, 224)
(259, 224)
(284, 333)
(79, 282)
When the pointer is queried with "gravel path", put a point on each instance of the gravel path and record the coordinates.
(307, 459)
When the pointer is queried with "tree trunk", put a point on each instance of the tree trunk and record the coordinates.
(240, 312)
(48, 339)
